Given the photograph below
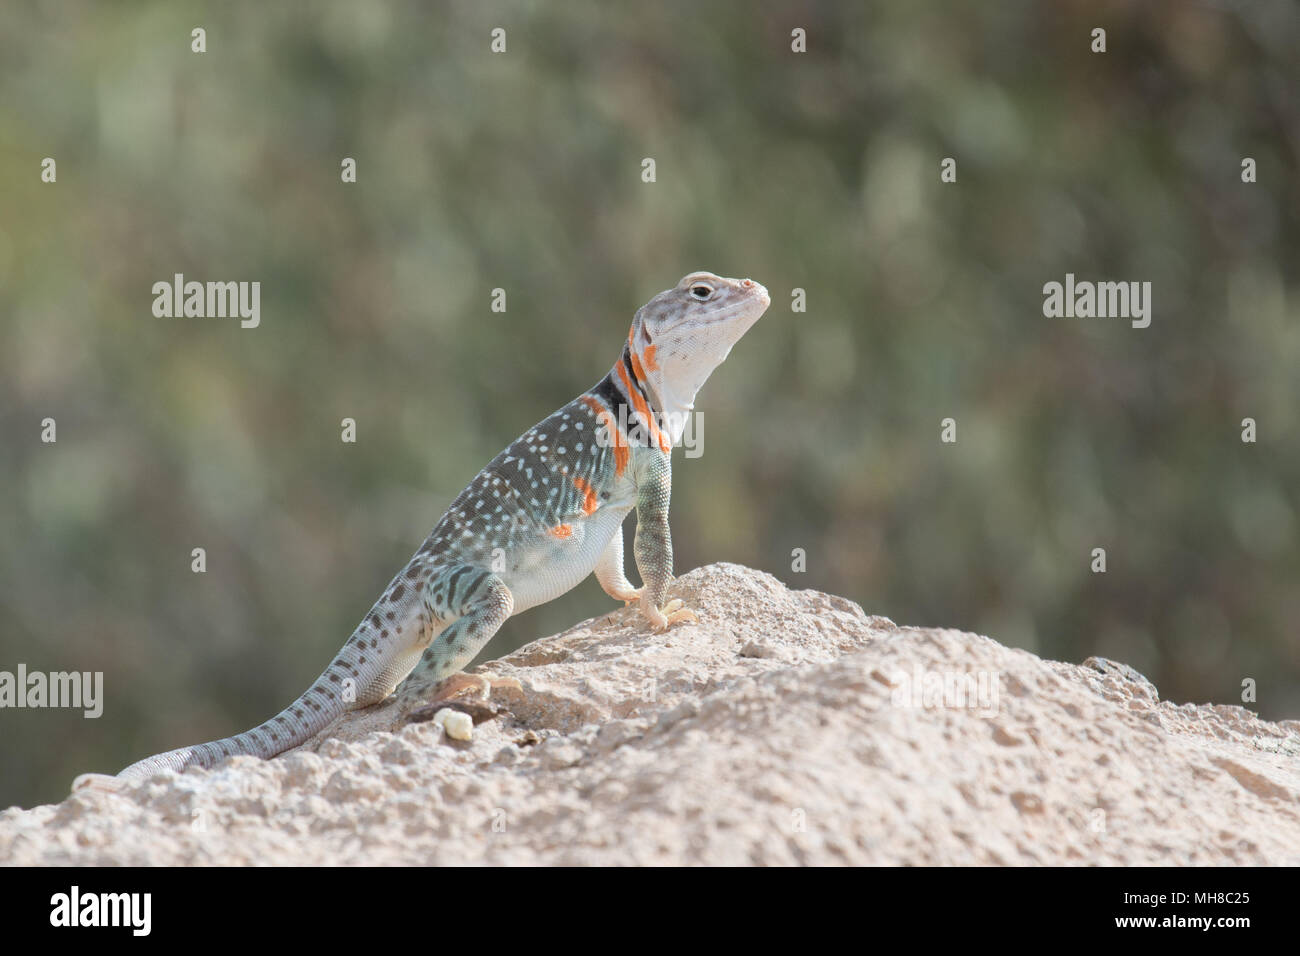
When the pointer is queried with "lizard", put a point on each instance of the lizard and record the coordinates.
(535, 522)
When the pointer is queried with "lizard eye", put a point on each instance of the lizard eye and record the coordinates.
(701, 291)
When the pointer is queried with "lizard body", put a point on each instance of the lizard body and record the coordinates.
(542, 515)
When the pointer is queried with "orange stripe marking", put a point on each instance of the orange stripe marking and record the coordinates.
(642, 409)
(621, 451)
(590, 502)
(637, 370)
(650, 362)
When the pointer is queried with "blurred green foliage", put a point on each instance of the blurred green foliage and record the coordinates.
(523, 171)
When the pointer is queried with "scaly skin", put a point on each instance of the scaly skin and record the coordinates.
(541, 516)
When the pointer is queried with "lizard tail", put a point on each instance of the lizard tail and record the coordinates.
(353, 679)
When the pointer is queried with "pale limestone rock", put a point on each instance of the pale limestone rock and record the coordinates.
(779, 730)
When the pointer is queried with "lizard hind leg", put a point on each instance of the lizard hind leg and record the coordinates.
(479, 602)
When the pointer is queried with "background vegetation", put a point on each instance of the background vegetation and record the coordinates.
(522, 171)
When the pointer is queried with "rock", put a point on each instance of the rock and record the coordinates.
(786, 727)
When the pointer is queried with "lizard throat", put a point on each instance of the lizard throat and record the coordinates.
(636, 406)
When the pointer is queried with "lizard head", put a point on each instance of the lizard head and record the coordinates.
(681, 335)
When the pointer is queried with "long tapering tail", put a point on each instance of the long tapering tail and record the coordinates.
(353, 679)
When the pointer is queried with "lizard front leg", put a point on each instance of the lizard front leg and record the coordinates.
(653, 545)
(609, 571)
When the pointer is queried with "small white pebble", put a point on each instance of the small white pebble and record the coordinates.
(457, 725)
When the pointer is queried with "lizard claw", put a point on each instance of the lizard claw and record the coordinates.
(671, 613)
(628, 596)
(451, 693)
(478, 710)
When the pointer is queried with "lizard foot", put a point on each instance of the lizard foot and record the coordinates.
(629, 596)
(478, 704)
(671, 613)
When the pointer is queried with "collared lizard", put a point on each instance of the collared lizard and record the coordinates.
(546, 512)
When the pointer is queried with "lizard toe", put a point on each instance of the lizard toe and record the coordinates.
(671, 613)
(628, 596)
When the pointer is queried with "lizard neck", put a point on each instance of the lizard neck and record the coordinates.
(650, 409)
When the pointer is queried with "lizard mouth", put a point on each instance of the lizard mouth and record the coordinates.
(754, 303)
(722, 316)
